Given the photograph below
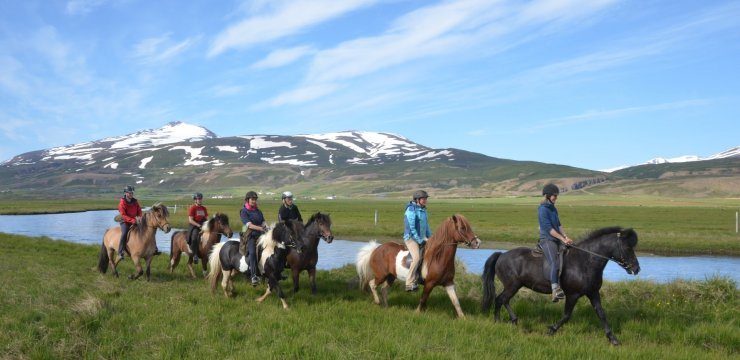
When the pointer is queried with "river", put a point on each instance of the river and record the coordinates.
(88, 227)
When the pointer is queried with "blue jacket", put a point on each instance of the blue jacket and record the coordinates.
(549, 219)
(255, 217)
(416, 225)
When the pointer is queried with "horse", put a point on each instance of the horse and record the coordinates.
(211, 234)
(582, 273)
(226, 261)
(381, 264)
(274, 253)
(140, 244)
(317, 227)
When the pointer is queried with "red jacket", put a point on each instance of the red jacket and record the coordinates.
(129, 210)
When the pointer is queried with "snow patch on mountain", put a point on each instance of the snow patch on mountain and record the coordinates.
(733, 152)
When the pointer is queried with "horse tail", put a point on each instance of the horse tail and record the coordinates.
(364, 270)
(103, 260)
(489, 288)
(214, 266)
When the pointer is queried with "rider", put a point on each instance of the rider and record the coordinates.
(130, 212)
(551, 235)
(288, 210)
(255, 225)
(415, 234)
(197, 215)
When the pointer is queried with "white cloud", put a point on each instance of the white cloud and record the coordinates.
(282, 57)
(82, 7)
(301, 95)
(161, 49)
(282, 19)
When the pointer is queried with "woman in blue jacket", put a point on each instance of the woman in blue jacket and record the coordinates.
(415, 233)
(551, 236)
(254, 223)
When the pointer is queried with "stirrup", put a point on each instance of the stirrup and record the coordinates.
(557, 294)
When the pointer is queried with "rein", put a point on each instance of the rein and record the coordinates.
(621, 253)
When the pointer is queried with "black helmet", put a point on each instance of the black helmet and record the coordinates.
(287, 194)
(251, 195)
(197, 196)
(128, 188)
(420, 194)
(550, 189)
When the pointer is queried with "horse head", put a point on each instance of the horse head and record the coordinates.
(613, 243)
(625, 251)
(220, 223)
(323, 221)
(159, 218)
(288, 235)
(464, 232)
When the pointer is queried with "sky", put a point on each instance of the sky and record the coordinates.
(593, 84)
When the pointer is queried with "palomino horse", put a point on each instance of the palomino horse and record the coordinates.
(274, 252)
(211, 234)
(381, 264)
(317, 227)
(582, 273)
(140, 244)
(226, 261)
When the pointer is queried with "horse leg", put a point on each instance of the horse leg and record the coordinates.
(137, 265)
(225, 282)
(204, 265)
(374, 290)
(295, 272)
(113, 263)
(385, 287)
(263, 297)
(428, 286)
(455, 301)
(281, 294)
(148, 267)
(503, 299)
(174, 260)
(570, 303)
(596, 303)
(312, 279)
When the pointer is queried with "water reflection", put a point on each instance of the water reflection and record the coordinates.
(88, 228)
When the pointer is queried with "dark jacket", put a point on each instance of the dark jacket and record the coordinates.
(289, 213)
(549, 219)
(252, 216)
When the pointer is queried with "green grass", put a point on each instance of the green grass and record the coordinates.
(664, 225)
(55, 305)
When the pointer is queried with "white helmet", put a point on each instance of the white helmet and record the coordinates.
(287, 194)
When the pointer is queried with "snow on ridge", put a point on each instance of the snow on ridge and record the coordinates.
(380, 143)
(228, 148)
(145, 161)
(174, 132)
(259, 142)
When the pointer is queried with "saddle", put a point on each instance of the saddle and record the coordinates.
(243, 241)
(406, 262)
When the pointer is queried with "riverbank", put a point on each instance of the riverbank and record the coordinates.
(55, 305)
(680, 227)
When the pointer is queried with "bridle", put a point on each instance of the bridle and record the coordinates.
(621, 262)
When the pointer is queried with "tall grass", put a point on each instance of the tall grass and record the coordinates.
(55, 305)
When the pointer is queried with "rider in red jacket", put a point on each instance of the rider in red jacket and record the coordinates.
(130, 211)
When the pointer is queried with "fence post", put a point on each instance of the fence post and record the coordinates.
(376, 217)
(736, 219)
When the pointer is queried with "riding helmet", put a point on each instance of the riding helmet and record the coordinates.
(197, 196)
(420, 194)
(550, 189)
(251, 195)
(287, 194)
(128, 188)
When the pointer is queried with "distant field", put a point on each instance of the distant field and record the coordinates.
(665, 225)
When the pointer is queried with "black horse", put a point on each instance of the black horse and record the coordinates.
(582, 273)
(317, 227)
(285, 237)
(225, 259)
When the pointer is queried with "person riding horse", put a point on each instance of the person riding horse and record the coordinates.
(197, 216)
(551, 235)
(255, 226)
(288, 210)
(415, 234)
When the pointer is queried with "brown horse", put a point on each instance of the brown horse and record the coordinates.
(381, 264)
(317, 227)
(211, 235)
(140, 244)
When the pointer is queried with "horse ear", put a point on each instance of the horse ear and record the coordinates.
(454, 219)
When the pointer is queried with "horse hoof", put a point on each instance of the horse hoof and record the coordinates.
(552, 330)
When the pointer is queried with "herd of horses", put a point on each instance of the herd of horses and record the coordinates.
(292, 245)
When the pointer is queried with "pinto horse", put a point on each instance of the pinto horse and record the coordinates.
(274, 253)
(140, 244)
(211, 234)
(582, 273)
(317, 227)
(381, 264)
(225, 261)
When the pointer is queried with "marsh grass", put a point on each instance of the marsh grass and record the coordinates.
(55, 305)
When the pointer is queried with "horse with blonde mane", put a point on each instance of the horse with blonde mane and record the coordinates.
(210, 235)
(141, 243)
(380, 265)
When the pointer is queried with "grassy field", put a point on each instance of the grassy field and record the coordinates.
(665, 226)
(54, 305)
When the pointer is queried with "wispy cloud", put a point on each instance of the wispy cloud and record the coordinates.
(282, 57)
(161, 49)
(225, 90)
(300, 95)
(281, 19)
(9, 128)
(82, 7)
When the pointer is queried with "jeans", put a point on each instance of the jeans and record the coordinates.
(124, 237)
(550, 249)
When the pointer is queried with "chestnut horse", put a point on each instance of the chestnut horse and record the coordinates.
(380, 265)
(140, 244)
(318, 227)
(211, 234)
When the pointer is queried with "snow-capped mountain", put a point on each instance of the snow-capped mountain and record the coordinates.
(733, 152)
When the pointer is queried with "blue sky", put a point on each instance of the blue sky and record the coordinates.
(593, 84)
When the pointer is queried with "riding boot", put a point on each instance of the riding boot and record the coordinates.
(194, 242)
(123, 239)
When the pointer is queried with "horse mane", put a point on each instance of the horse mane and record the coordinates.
(223, 218)
(319, 217)
(629, 234)
(444, 235)
(141, 224)
(267, 241)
